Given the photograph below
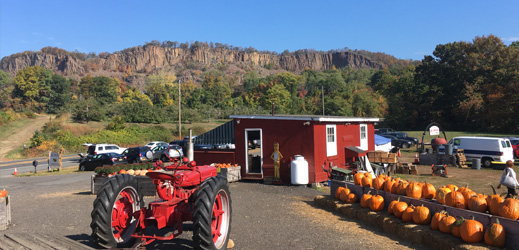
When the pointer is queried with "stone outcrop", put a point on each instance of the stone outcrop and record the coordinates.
(150, 58)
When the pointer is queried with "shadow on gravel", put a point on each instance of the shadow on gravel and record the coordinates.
(84, 239)
(83, 193)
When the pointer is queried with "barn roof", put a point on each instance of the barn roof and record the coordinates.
(316, 118)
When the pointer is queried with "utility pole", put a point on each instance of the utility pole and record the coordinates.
(179, 113)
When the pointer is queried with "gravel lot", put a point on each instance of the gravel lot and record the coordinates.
(264, 216)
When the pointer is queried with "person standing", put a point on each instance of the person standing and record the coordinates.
(509, 179)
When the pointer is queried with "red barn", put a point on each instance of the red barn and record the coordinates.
(322, 140)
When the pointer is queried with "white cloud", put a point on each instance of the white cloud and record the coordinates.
(510, 39)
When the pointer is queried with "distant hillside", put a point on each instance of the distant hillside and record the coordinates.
(133, 64)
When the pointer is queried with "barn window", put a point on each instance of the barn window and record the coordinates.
(331, 140)
(363, 137)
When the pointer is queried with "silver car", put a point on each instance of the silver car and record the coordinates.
(165, 153)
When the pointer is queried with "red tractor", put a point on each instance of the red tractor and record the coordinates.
(187, 193)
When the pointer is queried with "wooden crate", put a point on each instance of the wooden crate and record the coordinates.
(232, 174)
(5, 212)
(145, 183)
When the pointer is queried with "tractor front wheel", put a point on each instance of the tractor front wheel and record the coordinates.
(212, 215)
(113, 219)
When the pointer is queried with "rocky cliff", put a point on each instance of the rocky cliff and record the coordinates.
(143, 60)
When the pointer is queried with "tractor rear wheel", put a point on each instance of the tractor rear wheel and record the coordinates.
(113, 219)
(212, 215)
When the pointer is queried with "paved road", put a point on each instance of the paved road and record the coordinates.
(22, 166)
(264, 216)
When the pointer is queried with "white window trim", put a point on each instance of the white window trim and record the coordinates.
(331, 147)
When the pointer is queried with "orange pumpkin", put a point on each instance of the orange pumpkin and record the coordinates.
(399, 208)
(452, 187)
(376, 203)
(338, 192)
(435, 221)
(122, 171)
(510, 209)
(391, 205)
(441, 193)
(455, 199)
(378, 183)
(352, 198)
(422, 215)
(343, 196)
(467, 194)
(471, 231)
(495, 235)
(401, 188)
(428, 191)
(407, 215)
(357, 178)
(477, 203)
(446, 224)
(388, 184)
(494, 202)
(367, 180)
(364, 200)
(394, 187)
(463, 189)
(3, 193)
(414, 190)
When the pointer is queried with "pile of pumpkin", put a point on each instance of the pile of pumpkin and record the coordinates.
(469, 230)
(225, 165)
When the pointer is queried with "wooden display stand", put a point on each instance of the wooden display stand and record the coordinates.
(146, 184)
(232, 174)
(5, 212)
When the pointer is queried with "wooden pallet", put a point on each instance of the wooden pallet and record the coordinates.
(461, 159)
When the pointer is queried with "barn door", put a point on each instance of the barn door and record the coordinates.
(331, 140)
(363, 137)
(253, 142)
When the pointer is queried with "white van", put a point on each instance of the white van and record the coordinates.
(487, 149)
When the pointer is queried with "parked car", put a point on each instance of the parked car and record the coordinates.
(380, 131)
(402, 135)
(224, 146)
(95, 149)
(165, 153)
(136, 154)
(515, 145)
(487, 149)
(90, 162)
(156, 143)
(399, 142)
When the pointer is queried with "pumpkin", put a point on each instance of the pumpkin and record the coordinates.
(471, 231)
(455, 230)
(446, 224)
(401, 188)
(428, 191)
(510, 209)
(357, 178)
(391, 205)
(378, 183)
(422, 215)
(414, 190)
(399, 209)
(467, 194)
(435, 221)
(122, 171)
(494, 203)
(394, 187)
(452, 187)
(455, 199)
(130, 172)
(143, 172)
(352, 198)
(376, 203)
(441, 193)
(364, 200)
(407, 215)
(338, 192)
(3, 193)
(367, 180)
(477, 203)
(463, 189)
(495, 235)
(343, 196)
(388, 184)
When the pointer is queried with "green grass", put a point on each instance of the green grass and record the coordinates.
(12, 126)
(67, 170)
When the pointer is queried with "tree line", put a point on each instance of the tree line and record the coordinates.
(470, 86)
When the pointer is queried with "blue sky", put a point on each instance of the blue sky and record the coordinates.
(404, 29)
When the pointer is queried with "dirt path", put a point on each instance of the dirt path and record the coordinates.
(21, 135)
